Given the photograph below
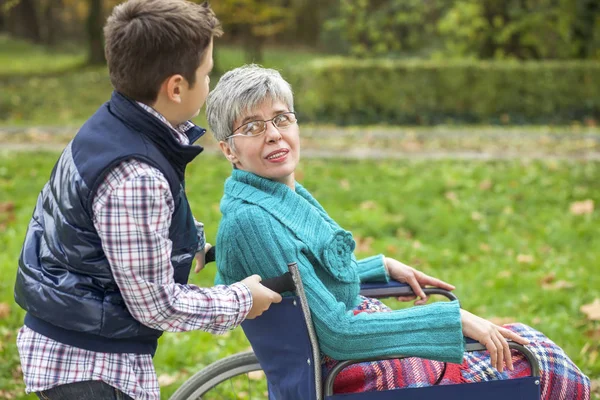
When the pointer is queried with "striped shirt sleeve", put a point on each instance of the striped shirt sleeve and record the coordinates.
(132, 214)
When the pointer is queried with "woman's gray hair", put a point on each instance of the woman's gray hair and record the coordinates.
(239, 92)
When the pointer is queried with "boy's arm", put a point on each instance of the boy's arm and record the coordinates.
(132, 214)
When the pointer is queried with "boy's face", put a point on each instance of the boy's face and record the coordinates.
(192, 99)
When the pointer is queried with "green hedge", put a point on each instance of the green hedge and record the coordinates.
(346, 91)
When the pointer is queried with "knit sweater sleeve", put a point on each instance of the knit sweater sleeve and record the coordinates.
(265, 247)
(372, 269)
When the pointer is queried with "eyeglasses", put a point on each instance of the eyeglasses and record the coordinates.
(256, 128)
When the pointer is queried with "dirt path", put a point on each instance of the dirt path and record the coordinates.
(486, 143)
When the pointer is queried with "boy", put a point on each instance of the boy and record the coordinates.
(104, 266)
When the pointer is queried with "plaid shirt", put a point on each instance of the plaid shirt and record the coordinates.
(132, 214)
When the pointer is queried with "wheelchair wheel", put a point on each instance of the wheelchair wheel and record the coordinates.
(235, 377)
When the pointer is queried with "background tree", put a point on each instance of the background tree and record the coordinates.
(254, 21)
(510, 29)
(387, 27)
(22, 19)
(482, 29)
(95, 22)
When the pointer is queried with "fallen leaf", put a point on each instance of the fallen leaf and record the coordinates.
(166, 380)
(549, 282)
(592, 310)
(345, 184)
(4, 310)
(4, 394)
(548, 278)
(585, 348)
(485, 184)
(363, 245)
(592, 357)
(559, 285)
(582, 207)
(524, 258)
(368, 205)
(593, 334)
(7, 207)
(476, 216)
(415, 261)
(596, 386)
(417, 245)
(256, 375)
(505, 274)
(452, 197)
(391, 249)
(590, 122)
(17, 373)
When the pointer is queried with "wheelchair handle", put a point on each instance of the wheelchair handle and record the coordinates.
(210, 255)
(280, 284)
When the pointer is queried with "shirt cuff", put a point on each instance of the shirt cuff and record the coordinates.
(201, 236)
(244, 297)
(372, 269)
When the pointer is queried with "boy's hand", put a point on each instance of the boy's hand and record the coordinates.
(200, 263)
(262, 297)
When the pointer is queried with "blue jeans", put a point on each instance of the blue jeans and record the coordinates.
(87, 390)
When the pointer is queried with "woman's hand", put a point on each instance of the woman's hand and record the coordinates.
(492, 336)
(415, 279)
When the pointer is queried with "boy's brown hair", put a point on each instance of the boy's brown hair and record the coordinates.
(149, 40)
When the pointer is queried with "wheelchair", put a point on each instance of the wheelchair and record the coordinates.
(284, 363)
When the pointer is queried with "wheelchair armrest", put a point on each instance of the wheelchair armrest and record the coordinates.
(396, 289)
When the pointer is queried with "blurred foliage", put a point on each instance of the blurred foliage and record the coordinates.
(485, 29)
(382, 27)
(255, 21)
(347, 92)
(41, 87)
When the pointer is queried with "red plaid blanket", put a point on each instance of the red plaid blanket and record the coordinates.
(560, 378)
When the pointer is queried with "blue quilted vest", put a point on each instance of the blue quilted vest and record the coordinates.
(64, 280)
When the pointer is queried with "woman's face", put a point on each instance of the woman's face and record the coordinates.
(274, 154)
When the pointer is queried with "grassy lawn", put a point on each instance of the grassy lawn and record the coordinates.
(48, 87)
(502, 232)
(18, 57)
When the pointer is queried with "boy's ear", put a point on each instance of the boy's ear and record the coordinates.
(172, 88)
(226, 149)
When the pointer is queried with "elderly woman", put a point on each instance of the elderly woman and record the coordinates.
(269, 220)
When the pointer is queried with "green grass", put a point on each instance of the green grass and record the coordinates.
(465, 222)
(46, 87)
(18, 57)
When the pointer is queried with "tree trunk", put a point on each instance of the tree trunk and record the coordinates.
(583, 29)
(50, 16)
(95, 22)
(254, 48)
(23, 21)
